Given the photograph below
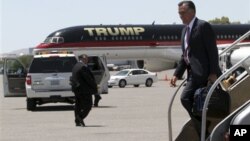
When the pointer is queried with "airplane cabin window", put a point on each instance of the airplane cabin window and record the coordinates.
(176, 37)
(172, 37)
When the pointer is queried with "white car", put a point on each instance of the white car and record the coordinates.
(133, 77)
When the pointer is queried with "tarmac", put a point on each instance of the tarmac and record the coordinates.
(125, 114)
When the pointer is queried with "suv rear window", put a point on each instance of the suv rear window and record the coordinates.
(52, 64)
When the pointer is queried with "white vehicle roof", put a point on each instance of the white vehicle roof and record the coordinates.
(53, 55)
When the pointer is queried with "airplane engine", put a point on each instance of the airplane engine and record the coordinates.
(239, 54)
(155, 65)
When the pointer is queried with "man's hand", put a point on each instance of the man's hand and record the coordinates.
(212, 78)
(173, 81)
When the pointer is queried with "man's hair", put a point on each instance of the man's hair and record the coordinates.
(189, 3)
(82, 56)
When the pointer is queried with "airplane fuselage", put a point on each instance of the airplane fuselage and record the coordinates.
(132, 35)
(133, 42)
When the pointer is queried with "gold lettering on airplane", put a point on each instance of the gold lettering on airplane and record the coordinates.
(138, 30)
(90, 31)
(114, 31)
(101, 31)
(126, 31)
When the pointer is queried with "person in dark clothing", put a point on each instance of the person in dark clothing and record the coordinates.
(83, 85)
(199, 58)
(97, 99)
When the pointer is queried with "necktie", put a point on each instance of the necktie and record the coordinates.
(187, 45)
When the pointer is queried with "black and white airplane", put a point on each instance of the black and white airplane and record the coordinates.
(155, 47)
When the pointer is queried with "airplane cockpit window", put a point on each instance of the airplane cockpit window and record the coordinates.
(60, 40)
(54, 40)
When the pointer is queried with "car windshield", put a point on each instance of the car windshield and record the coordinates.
(122, 73)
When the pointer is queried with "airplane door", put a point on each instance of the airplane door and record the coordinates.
(14, 75)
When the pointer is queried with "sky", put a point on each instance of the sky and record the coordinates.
(26, 23)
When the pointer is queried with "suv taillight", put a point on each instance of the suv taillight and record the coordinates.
(28, 80)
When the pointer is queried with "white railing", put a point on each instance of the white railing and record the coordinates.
(170, 134)
(229, 71)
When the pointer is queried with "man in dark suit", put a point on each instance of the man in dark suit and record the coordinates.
(199, 58)
(83, 85)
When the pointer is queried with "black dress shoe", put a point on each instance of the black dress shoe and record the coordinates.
(78, 124)
(82, 124)
(97, 99)
(96, 105)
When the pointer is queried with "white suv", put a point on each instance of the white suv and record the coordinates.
(48, 78)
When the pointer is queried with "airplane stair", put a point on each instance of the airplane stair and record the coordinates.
(240, 103)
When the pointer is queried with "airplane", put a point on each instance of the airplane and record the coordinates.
(154, 47)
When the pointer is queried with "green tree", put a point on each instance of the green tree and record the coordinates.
(222, 20)
(26, 60)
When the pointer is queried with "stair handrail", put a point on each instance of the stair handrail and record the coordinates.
(170, 134)
(204, 110)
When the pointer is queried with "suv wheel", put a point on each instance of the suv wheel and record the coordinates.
(31, 104)
(149, 82)
(122, 83)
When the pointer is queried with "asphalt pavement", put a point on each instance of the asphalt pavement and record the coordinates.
(125, 114)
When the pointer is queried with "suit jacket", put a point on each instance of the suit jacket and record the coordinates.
(203, 53)
(84, 77)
